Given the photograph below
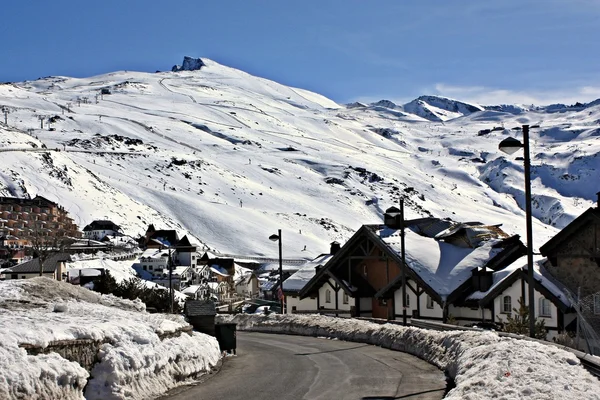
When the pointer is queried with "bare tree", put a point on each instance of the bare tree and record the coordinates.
(45, 243)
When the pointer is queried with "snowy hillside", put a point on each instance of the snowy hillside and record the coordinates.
(229, 158)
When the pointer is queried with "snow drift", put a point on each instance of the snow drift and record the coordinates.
(134, 363)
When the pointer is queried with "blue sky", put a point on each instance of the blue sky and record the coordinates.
(488, 51)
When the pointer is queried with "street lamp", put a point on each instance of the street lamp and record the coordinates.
(510, 146)
(277, 238)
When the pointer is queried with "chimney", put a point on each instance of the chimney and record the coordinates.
(482, 279)
(317, 269)
(335, 247)
(391, 218)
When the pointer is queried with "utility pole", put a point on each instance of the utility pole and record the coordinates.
(403, 257)
(170, 265)
(41, 118)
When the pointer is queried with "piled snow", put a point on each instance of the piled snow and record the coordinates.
(482, 364)
(134, 362)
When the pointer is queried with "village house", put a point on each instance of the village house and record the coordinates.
(100, 229)
(54, 267)
(365, 275)
(154, 263)
(573, 259)
(296, 282)
(465, 272)
(158, 239)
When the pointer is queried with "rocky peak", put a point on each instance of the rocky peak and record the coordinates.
(189, 64)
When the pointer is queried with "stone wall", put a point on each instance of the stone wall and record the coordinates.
(85, 351)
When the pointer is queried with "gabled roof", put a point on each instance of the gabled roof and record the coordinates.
(167, 237)
(33, 266)
(102, 225)
(590, 215)
(441, 268)
(544, 284)
(184, 242)
(225, 263)
(300, 278)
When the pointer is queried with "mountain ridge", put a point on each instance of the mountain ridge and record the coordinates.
(229, 158)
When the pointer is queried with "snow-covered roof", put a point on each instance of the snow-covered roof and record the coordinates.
(300, 278)
(443, 266)
(155, 253)
(218, 270)
(191, 290)
(540, 274)
(180, 269)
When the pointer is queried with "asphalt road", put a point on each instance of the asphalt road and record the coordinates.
(285, 367)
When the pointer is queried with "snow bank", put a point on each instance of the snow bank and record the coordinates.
(483, 364)
(134, 363)
(142, 371)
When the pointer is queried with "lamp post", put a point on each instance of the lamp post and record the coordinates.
(510, 146)
(170, 266)
(277, 238)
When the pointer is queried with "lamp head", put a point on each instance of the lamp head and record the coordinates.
(510, 145)
(274, 238)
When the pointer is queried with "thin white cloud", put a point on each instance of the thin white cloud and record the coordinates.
(490, 96)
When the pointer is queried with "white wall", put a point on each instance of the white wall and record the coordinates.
(412, 299)
(341, 305)
(98, 234)
(185, 258)
(474, 315)
(514, 291)
(322, 295)
(306, 304)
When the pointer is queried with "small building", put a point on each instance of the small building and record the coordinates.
(185, 253)
(296, 282)
(54, 267)
(574, 260)
(99, 229)
(158, 239)
(201, 315)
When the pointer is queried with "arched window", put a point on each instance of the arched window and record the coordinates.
(328, 296)
(506, 304)
(545, 309)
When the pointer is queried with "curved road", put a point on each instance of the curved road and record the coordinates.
(282, 367)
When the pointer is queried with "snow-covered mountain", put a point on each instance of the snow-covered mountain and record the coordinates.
(229, 158)
(439, 109)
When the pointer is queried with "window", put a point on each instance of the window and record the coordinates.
(364, 270)
(429, 302)
(545, 310)
(23, 277)
(193, 257)
(150, 267)
(506, 304)
(144, 267)
(345, 298)
(407, 301)
(328, 296)
(14, 276)
(597, 304)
